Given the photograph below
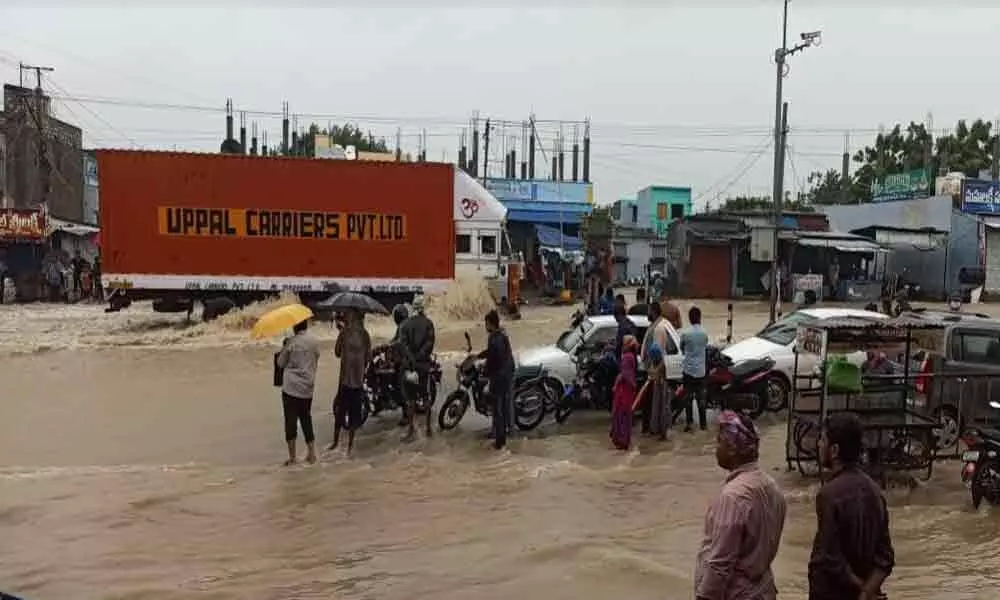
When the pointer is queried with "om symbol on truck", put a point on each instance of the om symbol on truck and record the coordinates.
(469, 207)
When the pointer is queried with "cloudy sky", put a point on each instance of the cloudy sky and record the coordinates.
(678, 94)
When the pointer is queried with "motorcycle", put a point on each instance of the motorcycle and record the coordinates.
(386, 387)
(729, 385)
(472, 391)
(981, 473)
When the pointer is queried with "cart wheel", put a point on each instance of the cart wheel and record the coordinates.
(950, 430)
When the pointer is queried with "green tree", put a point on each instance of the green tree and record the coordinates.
(968, 149)
(344, 135)
(761, 203)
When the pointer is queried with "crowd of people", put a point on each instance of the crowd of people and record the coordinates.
(852, 552)
(412, 351)
(629, 354)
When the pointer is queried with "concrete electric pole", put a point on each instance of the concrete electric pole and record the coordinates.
(39, 116)
(780, 55)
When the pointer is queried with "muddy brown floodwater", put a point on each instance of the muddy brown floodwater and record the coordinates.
(139, 459)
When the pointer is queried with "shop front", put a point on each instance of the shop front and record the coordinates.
(22, 247)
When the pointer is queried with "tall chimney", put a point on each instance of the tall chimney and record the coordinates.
(253, 138)
(284, 127)
(576, 153)
(513, 163)
(586, 152)
(263, 148)
(243, 131)
(229, 118)
(474, 164)
(555, 167)
(531, 148)
(562, 160)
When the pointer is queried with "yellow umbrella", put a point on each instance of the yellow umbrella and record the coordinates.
(280, 320)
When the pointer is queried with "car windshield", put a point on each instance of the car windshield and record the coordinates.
(783, 332)
(571, 337)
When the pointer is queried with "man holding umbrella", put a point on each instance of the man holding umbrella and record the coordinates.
(354, 349)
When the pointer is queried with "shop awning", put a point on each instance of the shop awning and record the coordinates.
(549, 236)
(544, 216)
(77, 229)
(842, 245)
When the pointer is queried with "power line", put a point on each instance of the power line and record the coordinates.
(97, 116)
(750, 159)
(597, 126)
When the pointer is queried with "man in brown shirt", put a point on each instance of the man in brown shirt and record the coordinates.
(852, 552)
(671, 313)
(354, 348)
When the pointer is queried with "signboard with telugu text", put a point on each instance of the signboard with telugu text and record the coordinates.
(903, 186)
(19, 224)
(980, 197)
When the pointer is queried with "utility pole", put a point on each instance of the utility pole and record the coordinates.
(845, 170)
(780, 56)
(39, 116)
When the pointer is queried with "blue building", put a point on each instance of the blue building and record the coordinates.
(653, 208)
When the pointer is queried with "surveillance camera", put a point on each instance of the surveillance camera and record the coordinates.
(813, 38)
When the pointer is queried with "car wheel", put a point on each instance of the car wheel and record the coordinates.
(777, 393)
(950, 430)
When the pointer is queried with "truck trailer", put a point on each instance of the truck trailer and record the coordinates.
(228, 230)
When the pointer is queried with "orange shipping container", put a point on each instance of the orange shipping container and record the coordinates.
(215, 222)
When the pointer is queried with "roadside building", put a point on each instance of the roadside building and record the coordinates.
(22, 247)
(702, 255)
(25, 175)
(926, 237)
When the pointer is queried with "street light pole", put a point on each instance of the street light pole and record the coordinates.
(777, 193)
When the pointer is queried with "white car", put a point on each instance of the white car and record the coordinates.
(558, 359)
(777, 341)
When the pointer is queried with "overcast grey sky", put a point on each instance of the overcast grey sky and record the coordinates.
(678, 95)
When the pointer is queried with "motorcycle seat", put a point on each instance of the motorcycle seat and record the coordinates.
(751, 366)
(989, 433)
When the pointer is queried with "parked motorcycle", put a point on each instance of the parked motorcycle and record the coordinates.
(472, 391)
(981, 473)
(387, 389)
(736, 386)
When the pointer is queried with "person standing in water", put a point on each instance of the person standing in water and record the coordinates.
(417, 336)
(298, 359)
(656, 414)
(624, 395)
(852, 552)
(743, 523)
(354, 349)
(694, 348)
(500, 372)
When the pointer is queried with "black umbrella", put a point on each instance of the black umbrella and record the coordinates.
(355, 301)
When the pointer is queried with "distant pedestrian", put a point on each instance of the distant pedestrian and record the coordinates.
(625, 328)
(656, 413)
(852, 553)
(607, 304)
(640, 308)
(671, 313)
(744, 522)
(624, 395)
(500, 373)
(298, 359)
(354, 348)
(694, 348)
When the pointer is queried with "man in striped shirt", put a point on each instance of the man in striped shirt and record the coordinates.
(744, 522)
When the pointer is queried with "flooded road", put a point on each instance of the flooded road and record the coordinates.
(139, 459)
